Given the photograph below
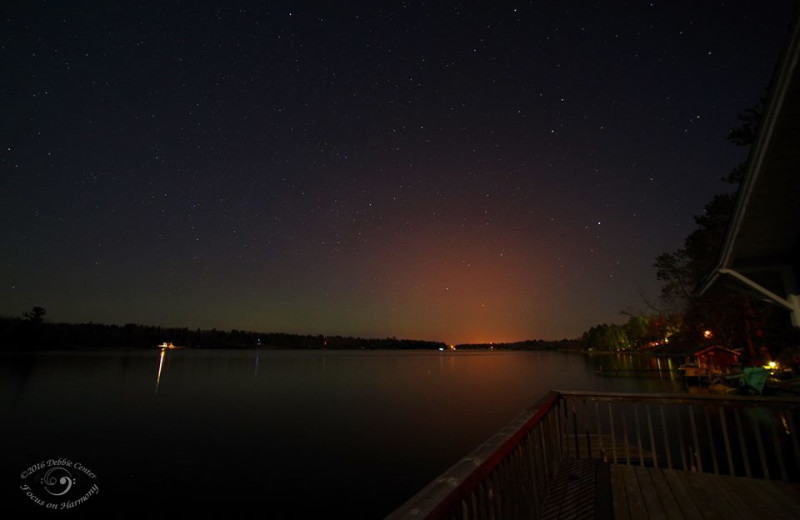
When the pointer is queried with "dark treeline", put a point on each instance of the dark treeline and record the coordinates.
(35, 334)
(531, 344)
(686, 320)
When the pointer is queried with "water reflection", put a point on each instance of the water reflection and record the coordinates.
(326, 420)
(160, 368)
(630, 365)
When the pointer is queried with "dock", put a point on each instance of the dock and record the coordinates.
(579, 455)
(640, 372)
(586, 489)
(641, 493)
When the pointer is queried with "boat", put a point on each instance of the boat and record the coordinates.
(693, 370)
(753, 380)
(722, 386)
(168, 346)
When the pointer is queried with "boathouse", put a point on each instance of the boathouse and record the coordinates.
(717, 359)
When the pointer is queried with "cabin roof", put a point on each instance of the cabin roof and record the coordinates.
(763, 237)
(719, 348)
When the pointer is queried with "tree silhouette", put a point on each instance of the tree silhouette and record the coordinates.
(35, 315)
(683, 270)
(735, 320)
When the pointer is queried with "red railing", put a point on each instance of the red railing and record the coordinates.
(509, 475)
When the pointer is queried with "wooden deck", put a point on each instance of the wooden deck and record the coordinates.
(581, 490)
(593, 490)
(642, 492)
(579, 455)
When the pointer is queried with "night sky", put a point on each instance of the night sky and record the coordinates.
(452, 171)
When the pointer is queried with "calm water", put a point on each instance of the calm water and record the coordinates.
(298, 434)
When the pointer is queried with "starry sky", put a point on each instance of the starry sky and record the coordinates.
(450, 171)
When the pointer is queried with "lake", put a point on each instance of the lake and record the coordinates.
(297, 434)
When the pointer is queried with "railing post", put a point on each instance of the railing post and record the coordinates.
(564, 426)
(742, 447)
(666, 436)
(795, 441)
(724, 424)
(760, 443)
(652, 437)
(575, 430)
(599, 431)
(561, 443)
(613, 435)
(695, 452)
(684, 465)
(638, 434)
(711, 443)
(625, 438)
(779, 453)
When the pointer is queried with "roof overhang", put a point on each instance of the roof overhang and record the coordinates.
(716, 348)
(761, 251)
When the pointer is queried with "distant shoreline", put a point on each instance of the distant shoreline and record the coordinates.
(21, 335)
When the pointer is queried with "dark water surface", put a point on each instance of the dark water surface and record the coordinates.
(298, 434)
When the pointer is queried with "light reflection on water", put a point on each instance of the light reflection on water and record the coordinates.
(306, 433)
(160, 367)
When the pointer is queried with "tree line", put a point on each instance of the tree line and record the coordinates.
(33, 332)
(681, 317)
(531, 344)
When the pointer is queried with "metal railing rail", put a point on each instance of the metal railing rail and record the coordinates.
(508, 475)
(729, 435)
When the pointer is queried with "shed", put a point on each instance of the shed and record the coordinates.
(716, 358)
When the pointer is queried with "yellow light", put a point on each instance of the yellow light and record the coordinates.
(772, 365)
(708, 334)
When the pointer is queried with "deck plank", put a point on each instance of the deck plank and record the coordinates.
(618, 496)
(784, 498)
(584, 489)
(665, 495)
(580, 490)
(652, 502)
(686, 503)
(633, 492)
(744, 499)
(702, 494)
(721, 503)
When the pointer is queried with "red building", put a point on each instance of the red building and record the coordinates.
(717, 359)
